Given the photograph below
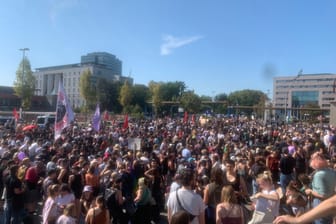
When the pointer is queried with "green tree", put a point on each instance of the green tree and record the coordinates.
(140, 96)
(108, 95)
(24, 84)
(191, 102)
(125, 97)
(247, 97)
(87, 89)
(221, 107)
(171, 91)
(156, 98)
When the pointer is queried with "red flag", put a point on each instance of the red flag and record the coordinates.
(125, 126)
(185, 118)
(193, 119)
(106, 116)
(15, 114)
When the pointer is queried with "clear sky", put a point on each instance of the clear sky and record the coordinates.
(214, 46)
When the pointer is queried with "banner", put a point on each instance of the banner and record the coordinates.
(15, 115)
(96, 119)
(134, 144)
(64, 113)
(125, 126)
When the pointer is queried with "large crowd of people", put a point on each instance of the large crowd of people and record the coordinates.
(226, 170)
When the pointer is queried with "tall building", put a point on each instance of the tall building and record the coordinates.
(291, 93)
(101, 65)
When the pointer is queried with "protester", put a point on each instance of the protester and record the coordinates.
(323, 183)
(99, 213)
(228, 210)
(168, 145)
(326, 208)
(185, 199)
(68, 216)
(51, 210)
(266, 201)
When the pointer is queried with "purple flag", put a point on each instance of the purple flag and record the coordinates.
(64, 113)
(96, 119)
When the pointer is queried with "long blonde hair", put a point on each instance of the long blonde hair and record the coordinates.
(265, 176)
(228, 195)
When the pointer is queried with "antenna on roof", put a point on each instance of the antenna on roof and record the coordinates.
(300, 72)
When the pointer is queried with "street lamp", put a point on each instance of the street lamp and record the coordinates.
(23, 57)
(290, 87)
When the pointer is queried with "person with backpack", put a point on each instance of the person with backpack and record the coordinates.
(114, 199)
(186, 199)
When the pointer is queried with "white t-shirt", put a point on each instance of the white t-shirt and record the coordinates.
(190, 201)
(63, 219)
(268, 206)
(65, 200)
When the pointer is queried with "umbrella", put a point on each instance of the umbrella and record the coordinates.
(29, 127)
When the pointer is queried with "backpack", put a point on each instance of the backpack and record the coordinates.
(111, 201)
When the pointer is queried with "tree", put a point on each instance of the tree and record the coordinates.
(191, 102)
(140, 96)
(125, 97)
(24, 84)
(87, 89)
(154, 88)
(246, 97)
(221, 108)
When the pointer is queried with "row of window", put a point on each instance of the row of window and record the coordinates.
(294, 80)
(303, 86)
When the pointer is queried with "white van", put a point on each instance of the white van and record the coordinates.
(45, 121)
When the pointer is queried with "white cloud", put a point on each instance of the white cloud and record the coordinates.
(170, 43)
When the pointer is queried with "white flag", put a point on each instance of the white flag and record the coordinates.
(64, 113)
(96, 119)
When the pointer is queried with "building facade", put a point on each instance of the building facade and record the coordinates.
(291, 93)
(101, 65)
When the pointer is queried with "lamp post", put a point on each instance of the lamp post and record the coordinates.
(23, 57)
(290, 89)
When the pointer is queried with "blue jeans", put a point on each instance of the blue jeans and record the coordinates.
(12, 216)
(324, 220)
(284, 181)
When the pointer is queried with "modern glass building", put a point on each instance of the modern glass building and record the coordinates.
(292, 93)
(105, 59)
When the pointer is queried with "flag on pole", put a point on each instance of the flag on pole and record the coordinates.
(185, 118)
(96, 119)
(125, 126)
(106, 116)
(193, 119)
(64, 113)
(15, 115)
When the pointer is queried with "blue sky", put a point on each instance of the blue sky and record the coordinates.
(214, 46)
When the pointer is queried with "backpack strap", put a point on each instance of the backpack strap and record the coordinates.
(191, 216)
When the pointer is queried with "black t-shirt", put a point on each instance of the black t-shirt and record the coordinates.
(11, 184)
(287, 164)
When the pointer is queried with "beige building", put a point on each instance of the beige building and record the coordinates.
(293, 92)
(101, 65)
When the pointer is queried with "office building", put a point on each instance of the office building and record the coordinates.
(292, 93)
(101, 65)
